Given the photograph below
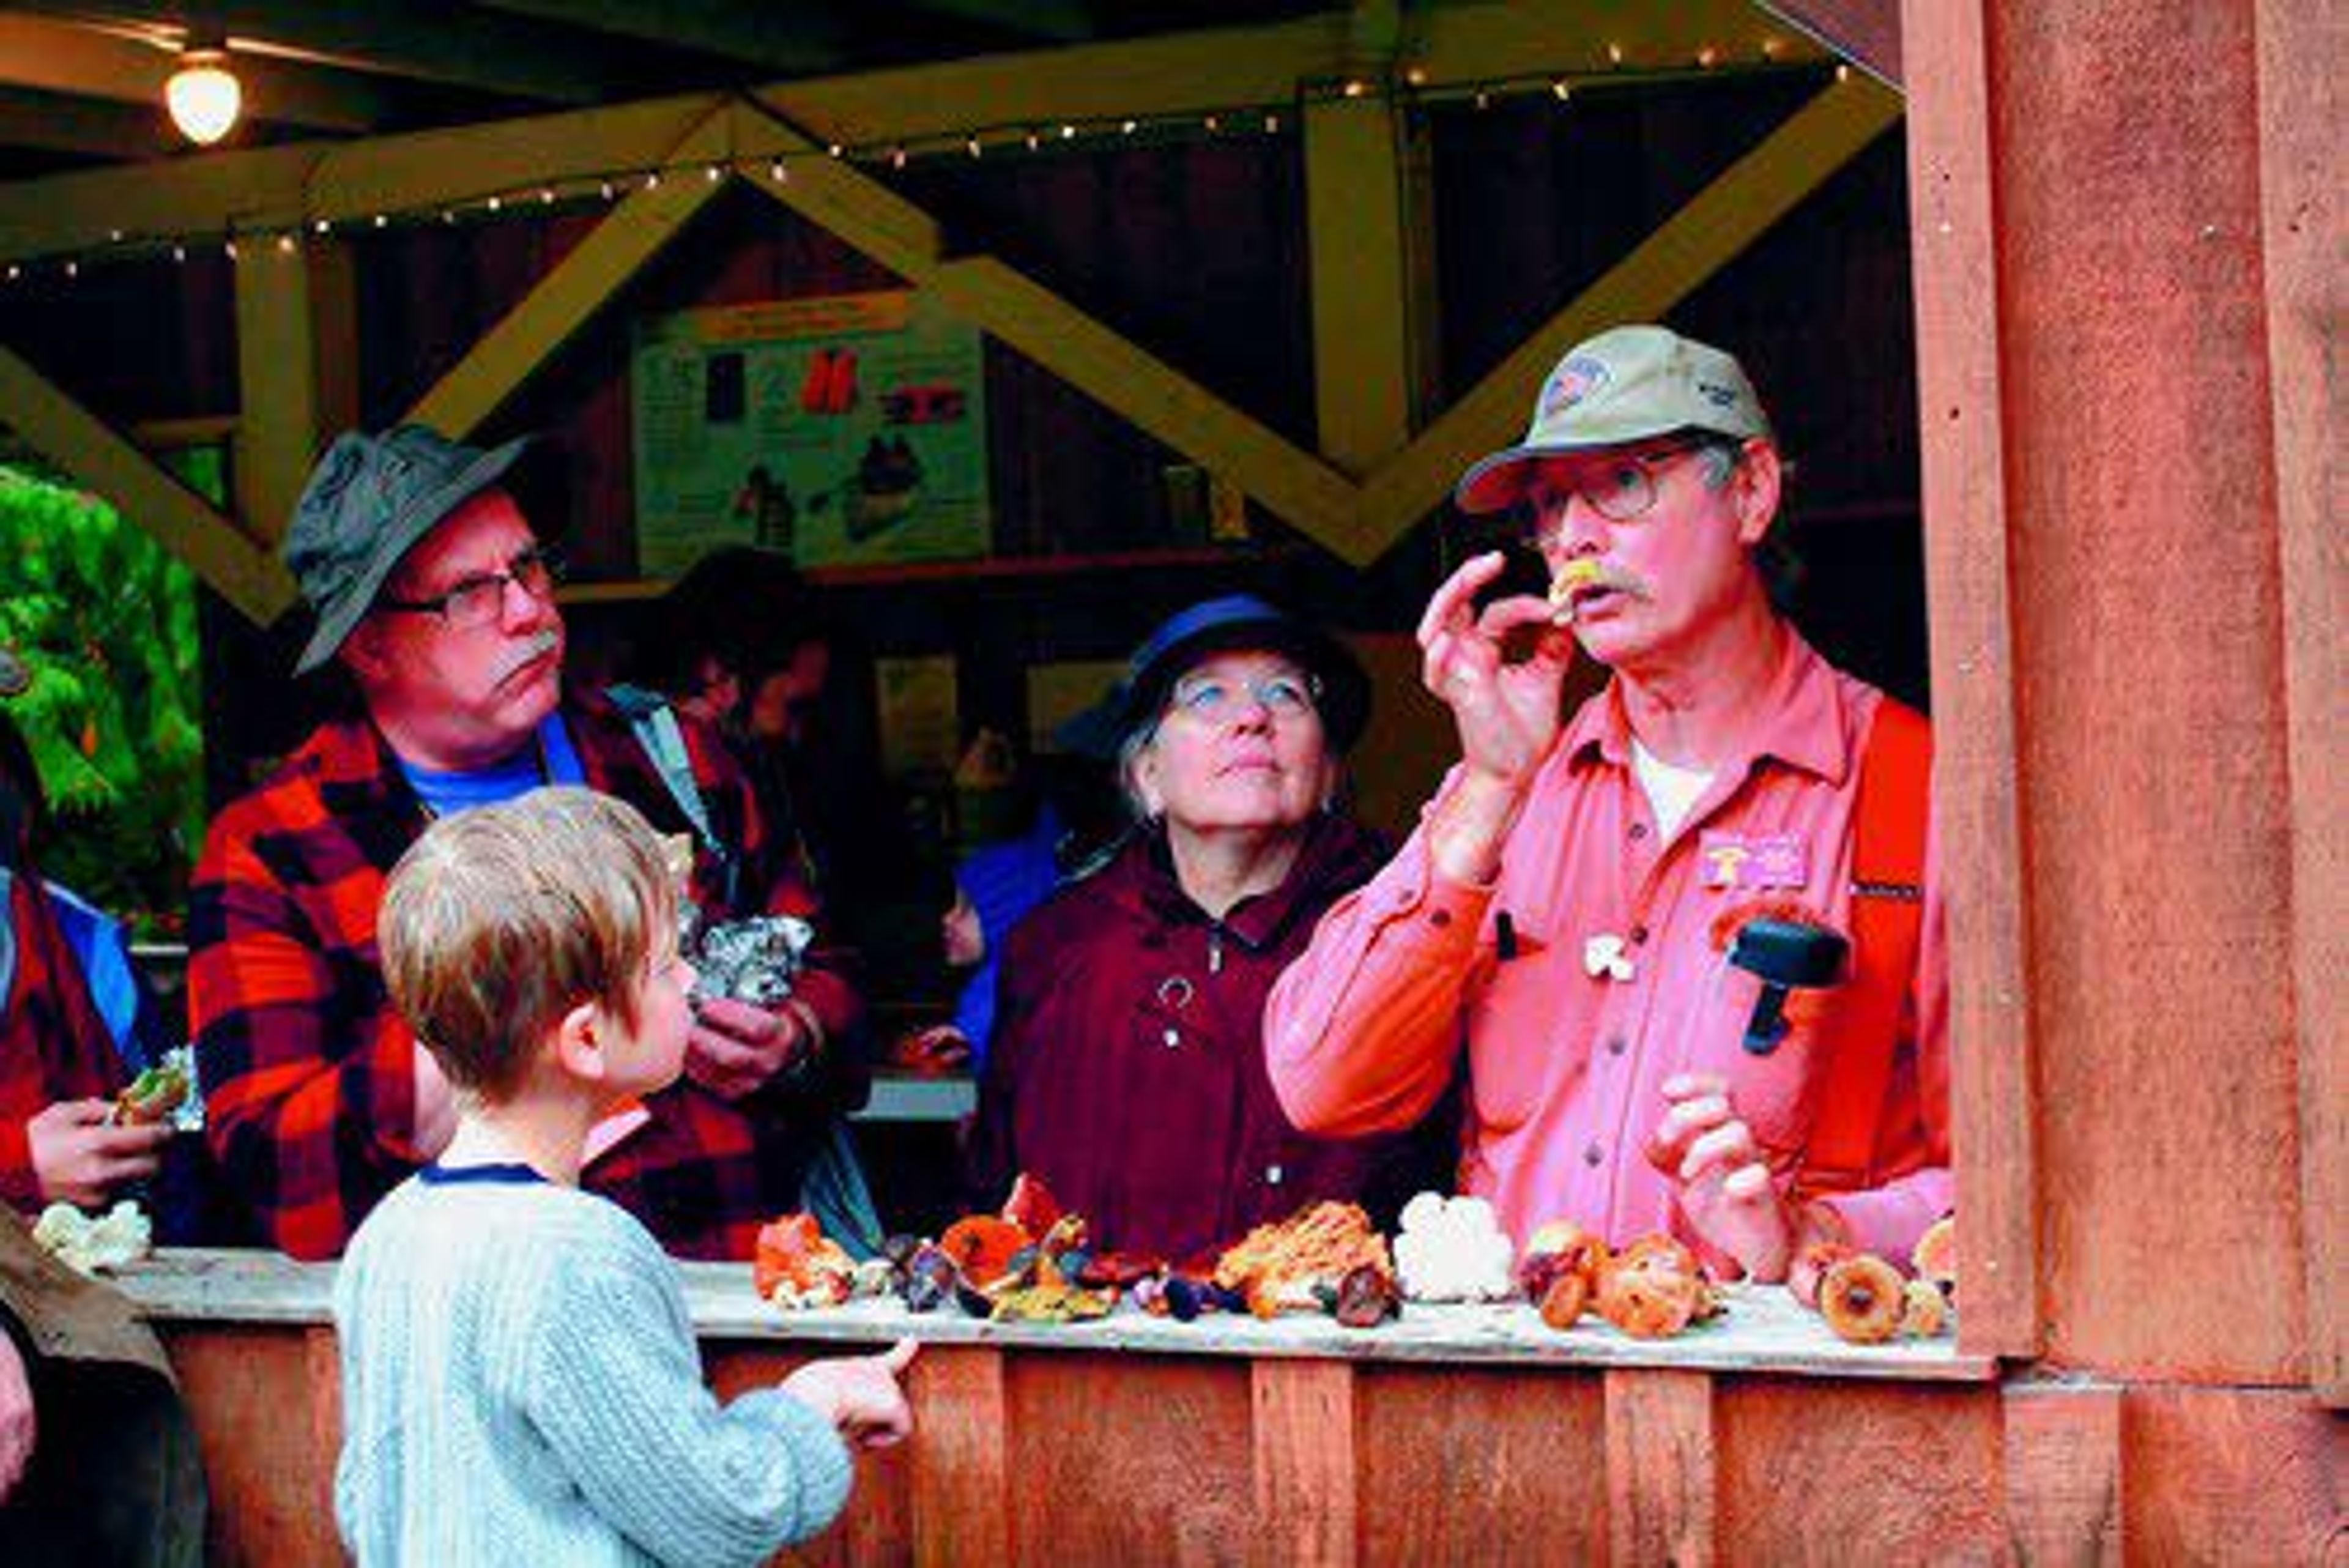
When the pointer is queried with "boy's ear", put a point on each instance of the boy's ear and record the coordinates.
(578, 1047)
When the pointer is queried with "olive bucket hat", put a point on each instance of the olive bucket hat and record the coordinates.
(369, 502)
(1627, 384)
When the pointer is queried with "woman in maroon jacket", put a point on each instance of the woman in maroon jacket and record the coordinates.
(1128, 1064)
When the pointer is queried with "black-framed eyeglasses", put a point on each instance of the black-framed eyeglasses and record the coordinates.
(1620, 488)
(478, 600)
(1284, 695)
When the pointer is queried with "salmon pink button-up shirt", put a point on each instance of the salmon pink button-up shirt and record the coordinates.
(1568, 1052)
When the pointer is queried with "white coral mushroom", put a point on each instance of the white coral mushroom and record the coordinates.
(1450, 1249)
(88, 1245)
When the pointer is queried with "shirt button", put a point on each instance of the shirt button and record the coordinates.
(1639, 935)
(1639, 830)
(1593, 1155)
(1173, 1038)
(1617, 1045)
(1272, 1173)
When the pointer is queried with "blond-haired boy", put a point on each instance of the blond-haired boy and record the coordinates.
(520, 1378)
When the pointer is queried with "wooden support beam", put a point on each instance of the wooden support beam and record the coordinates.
(1663, 1494)
(166, 435)
(470, 164)
(1194, 73)
(1691, 245)
(1184, 73)
(84, 127)
(66, 214)
(278, 388)
(567, 298)
(1976, 763)
(2300, 228)
(1474, 43)
(1305, 1469)
(1158, 399)
(838, 197)
(1173, 73)
(1361, 239)
(298, 185)
(2064, 1472)
(960, 1457)
(1066, 341)
(82, 444)
(56, 56)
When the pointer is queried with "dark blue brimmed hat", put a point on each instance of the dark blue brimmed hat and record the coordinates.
(369, 502)
(1220, 626)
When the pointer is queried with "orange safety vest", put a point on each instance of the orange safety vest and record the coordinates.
(1888, 907)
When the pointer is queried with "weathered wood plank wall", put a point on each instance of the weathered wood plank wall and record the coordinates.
(1074, 1458)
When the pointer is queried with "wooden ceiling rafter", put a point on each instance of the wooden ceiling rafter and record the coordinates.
(1358, 516)
(1358, 521)
(109, 462)
(984, 291)
(1198, 72)
(570, 294)
(84, 127)
(1689, 247)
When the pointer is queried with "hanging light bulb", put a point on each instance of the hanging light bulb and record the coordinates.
(203, 96)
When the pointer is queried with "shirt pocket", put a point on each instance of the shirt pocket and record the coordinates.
(1778, 1094)
(1519, 1046)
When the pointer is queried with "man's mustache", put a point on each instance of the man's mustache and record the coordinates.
(542, 643)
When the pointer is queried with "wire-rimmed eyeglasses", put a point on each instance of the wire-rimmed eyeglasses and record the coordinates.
(478, 599)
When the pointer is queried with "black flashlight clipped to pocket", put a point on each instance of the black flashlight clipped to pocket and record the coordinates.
(1783, 955)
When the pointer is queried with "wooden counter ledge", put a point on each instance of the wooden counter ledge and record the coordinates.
(1763, 1332)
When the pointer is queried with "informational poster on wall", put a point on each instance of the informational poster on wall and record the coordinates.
(845, 429)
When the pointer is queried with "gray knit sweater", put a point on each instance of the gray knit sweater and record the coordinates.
(521, 1385)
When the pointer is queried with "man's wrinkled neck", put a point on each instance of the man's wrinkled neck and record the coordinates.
(1690, 706)
(422, 744)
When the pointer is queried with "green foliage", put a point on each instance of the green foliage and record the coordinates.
(105, 621)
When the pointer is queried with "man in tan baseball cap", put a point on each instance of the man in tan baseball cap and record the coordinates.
(1626, 386)
(1566, 901)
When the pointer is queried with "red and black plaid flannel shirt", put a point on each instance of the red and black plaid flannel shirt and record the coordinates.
(53, 1043)
(308, 1072)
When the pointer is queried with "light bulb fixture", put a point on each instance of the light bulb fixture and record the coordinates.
(203, 96)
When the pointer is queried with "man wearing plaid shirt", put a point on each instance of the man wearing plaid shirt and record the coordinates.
(435, 597)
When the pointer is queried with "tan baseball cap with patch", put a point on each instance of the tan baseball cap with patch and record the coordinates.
(1627, 384)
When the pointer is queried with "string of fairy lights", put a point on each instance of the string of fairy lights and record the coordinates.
(576, 189)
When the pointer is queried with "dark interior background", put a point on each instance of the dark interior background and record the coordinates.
(1196, 249)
